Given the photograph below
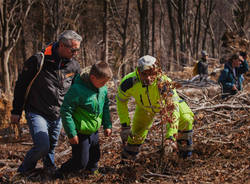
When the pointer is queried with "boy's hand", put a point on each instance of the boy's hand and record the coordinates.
(74, 140)
(107, 132)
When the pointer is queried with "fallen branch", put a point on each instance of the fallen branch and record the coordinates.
(150, 174)
(217, 113)
(222, 106)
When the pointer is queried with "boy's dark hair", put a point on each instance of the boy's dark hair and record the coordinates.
(234, 56)
(243, 54)
(101, 69)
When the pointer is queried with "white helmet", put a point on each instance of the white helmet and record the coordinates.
(146, 62)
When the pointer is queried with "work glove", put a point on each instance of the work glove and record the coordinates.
(125, 131)
(170, 146)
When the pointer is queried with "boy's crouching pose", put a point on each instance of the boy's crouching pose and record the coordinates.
(84, 110)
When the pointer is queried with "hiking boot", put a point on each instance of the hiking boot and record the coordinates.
(127, 155)
(58, 174)
(185, 154)
(50, 171)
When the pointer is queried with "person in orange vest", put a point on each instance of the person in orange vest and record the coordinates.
(45, 96)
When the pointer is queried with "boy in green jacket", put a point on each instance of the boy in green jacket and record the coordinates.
(85, 108)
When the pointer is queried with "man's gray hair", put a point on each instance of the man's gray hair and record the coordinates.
(68, 35)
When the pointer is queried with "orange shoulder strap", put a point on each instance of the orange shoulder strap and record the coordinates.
(48, 50)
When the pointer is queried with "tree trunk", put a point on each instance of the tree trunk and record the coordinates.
(124, 43)
(6, 75)
(23, 42)
(196, 30)
(212, 40)
(173, 32)
(182, 23)
(208, 11)
(153, 27)
(144, 27)
(44, 23)
(105, 32)
(11, 23)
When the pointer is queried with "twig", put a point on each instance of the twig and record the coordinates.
(150, 174)
(26, 143)
(212, 140)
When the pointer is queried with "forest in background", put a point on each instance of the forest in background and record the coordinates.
(174, 31)
(119, 31)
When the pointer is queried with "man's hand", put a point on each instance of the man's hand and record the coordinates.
(107, 132)
(125, 131)
(234, 88)
(170, 145)
(241, 58)
(74, 140)
(14, 118)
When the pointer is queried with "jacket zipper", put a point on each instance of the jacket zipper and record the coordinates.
(149, 100)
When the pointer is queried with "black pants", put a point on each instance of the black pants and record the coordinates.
(85, 155)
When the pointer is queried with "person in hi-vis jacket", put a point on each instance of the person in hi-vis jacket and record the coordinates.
(142, 86)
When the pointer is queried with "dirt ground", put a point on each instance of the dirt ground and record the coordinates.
(221, 153)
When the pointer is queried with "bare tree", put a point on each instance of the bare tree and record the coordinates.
(12, 17)
(121, 27)
(241, 14)
(153, 26)
(62, 15)
(144, 27)
(197, 28)
(105, 31)
(172, 27)
(209, 7)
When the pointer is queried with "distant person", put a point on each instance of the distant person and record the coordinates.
(203, 66)
(231, 76)
(42, 107)
(85, 108)
(142, 86)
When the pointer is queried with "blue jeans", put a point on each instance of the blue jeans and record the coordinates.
(85, 155)
(45, 136)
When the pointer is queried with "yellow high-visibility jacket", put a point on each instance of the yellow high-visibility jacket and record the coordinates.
(146, 97)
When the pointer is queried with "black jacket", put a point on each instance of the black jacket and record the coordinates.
(203, 67)
(50, 86)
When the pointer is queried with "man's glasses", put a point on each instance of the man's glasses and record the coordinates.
(72, 50)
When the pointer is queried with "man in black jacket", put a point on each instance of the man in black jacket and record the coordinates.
(203, 66)
(42, 106)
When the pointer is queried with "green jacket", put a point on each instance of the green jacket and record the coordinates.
(146, 97)
(85, 108)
